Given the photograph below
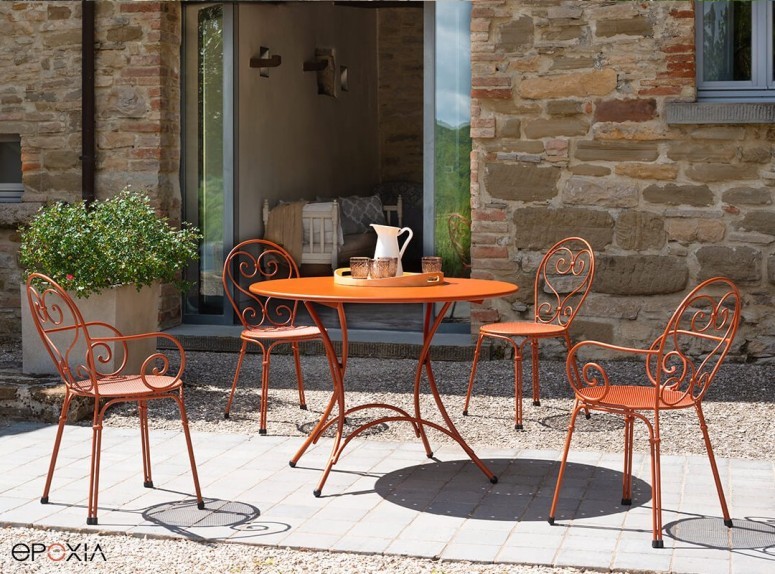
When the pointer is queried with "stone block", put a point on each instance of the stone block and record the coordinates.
(758, 221)
(539, 228)
(632, 110)
(689, 230)
(747, 196)
(61, 159)
(757, 154)
(637, 26)
(640, 230)
(659, 171)
(508, 127)
(714, 172)
(580, 84)
(616, 151)
(701, 152)
(600, 192)
(544, 128)
(639, 274)
(564, 108)
(124, 34)
(571, 63)
(583, 329)
(771, 269)
(516, 34)
(742, 263)
(521, 181)
(589, 170)
(674, 194)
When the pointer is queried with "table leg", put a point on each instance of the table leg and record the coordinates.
(429, 329)
(338, 368)
(337, 397)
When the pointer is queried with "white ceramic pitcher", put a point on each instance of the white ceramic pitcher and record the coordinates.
(387, 243)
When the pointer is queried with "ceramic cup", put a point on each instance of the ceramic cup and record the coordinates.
(431, 264)
(359, 267)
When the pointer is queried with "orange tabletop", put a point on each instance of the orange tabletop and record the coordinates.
(325, 290)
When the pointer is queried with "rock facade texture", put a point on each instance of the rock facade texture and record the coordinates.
(137, 119)
(575, 94)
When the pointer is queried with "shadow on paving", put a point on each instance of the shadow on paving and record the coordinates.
(523, 492)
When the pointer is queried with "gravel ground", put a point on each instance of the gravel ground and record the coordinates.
(737, 407)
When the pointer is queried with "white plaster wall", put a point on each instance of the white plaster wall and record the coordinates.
(293, 142)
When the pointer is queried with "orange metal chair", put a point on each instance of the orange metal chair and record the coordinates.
(80, 351)
(562, 282)
(679, 367)
(266, 322)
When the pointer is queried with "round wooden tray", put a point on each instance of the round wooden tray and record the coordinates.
(342, 276)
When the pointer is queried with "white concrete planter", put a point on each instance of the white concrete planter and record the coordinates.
(130, 311)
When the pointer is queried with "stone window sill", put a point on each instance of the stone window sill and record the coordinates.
(719, 113)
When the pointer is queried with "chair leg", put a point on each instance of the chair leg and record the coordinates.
(517, 385)
(184, 420)
(142, 408)
(656, 485)
(236, 378)
(714, 467)
(534, 360)
(299, 376)
(94, 475)
(471, 377)
(629, 425)
(57, 442)
(264, 390)
(571, 425)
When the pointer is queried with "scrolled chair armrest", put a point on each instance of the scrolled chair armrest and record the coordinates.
(157, 364)
(591, 374)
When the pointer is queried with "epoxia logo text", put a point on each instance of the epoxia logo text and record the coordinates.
(57, 552)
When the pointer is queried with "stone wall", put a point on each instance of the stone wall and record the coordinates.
(137, 113)
(570, 138)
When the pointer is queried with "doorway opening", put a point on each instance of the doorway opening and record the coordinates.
(315, 101)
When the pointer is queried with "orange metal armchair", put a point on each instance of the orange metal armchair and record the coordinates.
(679, 367)
(80, 350)
(266, 322)
(562, 282)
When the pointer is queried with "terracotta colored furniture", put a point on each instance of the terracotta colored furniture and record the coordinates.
(266, 322)
(324, 291)
(68, 339)
(679, 366)
(562, 283)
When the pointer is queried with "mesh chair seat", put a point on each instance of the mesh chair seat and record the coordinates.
(635, 397)
(289, 332)
(523, 329)
(128, 386)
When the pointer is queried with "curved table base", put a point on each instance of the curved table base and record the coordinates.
(338, 368)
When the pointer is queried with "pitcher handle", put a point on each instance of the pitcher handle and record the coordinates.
(406, 241)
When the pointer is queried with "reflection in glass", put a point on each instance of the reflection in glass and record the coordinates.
(453, 136)
(727, 41)
(210, 69)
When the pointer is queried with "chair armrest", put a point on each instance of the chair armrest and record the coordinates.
(156, 364)
(592, 375)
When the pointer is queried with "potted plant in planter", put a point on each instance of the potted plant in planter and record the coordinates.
(111, 256)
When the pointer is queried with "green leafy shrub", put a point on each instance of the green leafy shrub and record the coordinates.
(117, 241)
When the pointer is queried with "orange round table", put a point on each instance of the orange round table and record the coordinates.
(325, 291)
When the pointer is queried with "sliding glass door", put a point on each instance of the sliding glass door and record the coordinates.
(447, 181)
(208, 154)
